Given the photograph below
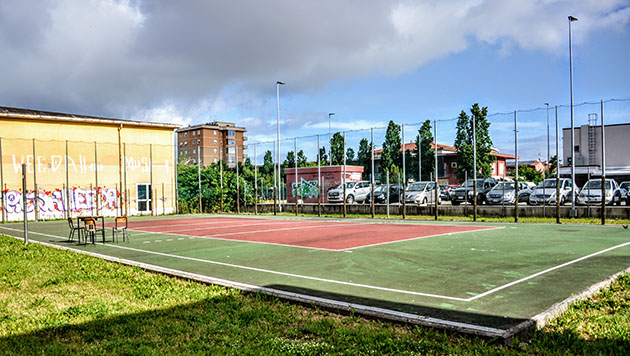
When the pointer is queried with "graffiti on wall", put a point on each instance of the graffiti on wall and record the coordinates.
(54, 163)
(306, 189)
(54, 201)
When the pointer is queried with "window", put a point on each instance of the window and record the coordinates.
(215, 151)
(144, 197)
(215, 132)
(198, 132)
(181, 143)
(215, 141)
(194, 151)
(231, 142)
(230, 159)
(215, 160)
(193, 133)
(231, 150)
(230, 133)
(199, 142)
(185, 134)
(185, 142)
(576, 149)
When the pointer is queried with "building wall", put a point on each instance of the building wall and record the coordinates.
(617, 145)
(215, 143)
(91, 183)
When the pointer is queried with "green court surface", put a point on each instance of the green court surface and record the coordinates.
(488, 279)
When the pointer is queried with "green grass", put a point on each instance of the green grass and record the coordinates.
(59, 302)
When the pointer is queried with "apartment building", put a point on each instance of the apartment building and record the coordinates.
(212, 142)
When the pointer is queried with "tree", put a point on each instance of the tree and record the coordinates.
(336, 149)
(424, 140)
(350, 155)
(553, 165)
(289, 162)
(364, 156)
(267, 168)
(464, 143)
(528, 174)
(391, 147)
(323, 157)
(301, 159)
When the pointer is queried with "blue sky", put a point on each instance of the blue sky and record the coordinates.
(367, 61)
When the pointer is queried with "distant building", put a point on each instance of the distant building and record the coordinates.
(587, 151)
(211, 143)
(447, 162)
(538, 165)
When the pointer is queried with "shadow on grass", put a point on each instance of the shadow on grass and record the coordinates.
(259, 324)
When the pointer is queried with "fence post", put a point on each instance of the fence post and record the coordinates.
(35, 195)
(404, 176)
(344, 173)
(372, 181)
(604, 169)
(96, 179)
(255, 182)
(516, 168)
(557, 169)
(2, 180)
(24, 203)
(238, 188)
(199, 180)
(151, 177)
(221, 178)
(319, 180)
(296, 176)
(435, 147)
(126, 191)
(388, 188)
(474, 127)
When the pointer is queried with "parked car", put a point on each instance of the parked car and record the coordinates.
(545, 192)
(355, 191)
(625, 186)
(591, 193)
(380, 192)
(421, 193)
(444, 193)
(503, 193)
(465, 192)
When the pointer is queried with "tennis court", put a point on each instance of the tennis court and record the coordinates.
(484, 278)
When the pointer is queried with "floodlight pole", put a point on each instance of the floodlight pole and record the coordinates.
(344, 174)
(372, 171)
(278, 84)
(199, 179)
(296, 176)
(255, 181)
(573, 211)
(419, 155)
(516, 168)
(404, 176)
(547, 170)
(319, 180)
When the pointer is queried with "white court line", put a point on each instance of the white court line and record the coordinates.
(356, 284)
(264, 270)
(207, 223)
(547, 270)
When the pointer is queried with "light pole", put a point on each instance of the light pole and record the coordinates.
(547, 170)
(571, 19)
(329, 139)
(278, 84)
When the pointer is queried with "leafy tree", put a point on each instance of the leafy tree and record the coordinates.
(350, 156)
(424, 140)
(267, 167)
(464, 143)
(391, 155)
(323, 157)
(553, 165)
(527, 173)
(289, 162)
(301, 159)
(336, 149)
(364, 157)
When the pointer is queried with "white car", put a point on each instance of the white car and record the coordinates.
(545, 192)
(421, 193)
(355, 191)
(591, 193)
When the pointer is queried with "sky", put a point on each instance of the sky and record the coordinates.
(369, 62)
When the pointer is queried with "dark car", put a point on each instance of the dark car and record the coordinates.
(380, 192)
(444, 192)
(465, 192)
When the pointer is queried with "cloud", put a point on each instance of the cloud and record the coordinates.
(190, 61)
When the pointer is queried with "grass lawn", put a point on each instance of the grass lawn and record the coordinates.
(60, 302)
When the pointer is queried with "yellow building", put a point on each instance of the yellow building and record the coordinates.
(84, 165)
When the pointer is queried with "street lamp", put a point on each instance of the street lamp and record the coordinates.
(571, 19)
(278, 84)
(330, 139)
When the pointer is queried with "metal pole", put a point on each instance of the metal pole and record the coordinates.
(151, 178)
(255, 182)
(319, 180)
(474, 125)
(35, 195)
(436, 166)
(419, 156)
(238, 188)
(516, 168)
(388, 187)
(24, 203)
(573, 211)
(329, 139)
(604, 168)
(344, 174)
(199, 180)
(296, 175)
(275, 182)
(404, 176)
(96, 180)
(125, 178)
(221, 177)
(2, 181)
(68, 202)
(372, 171)
(558, 168)
(176, 180)
(278, 84)
(546, 175)
(120, 169)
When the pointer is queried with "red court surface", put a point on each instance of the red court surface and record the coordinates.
(325, 235)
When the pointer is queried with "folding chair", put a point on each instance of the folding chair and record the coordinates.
(74, 228)
(120, 226)
(90, 229)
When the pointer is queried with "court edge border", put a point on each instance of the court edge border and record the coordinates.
(538, 321)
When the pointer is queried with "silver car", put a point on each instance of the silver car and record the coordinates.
(545, 192)
(503, 193)
(421, 193)
(591, 193)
